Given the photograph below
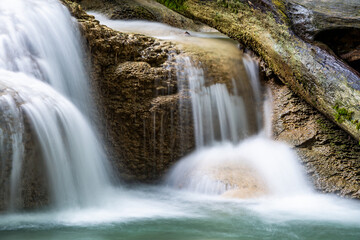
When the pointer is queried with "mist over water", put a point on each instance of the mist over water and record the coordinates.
(231, 187)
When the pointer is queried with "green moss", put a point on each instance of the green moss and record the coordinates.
(233, 5)
(217, 17)
(343, 114)
(281, 9)
(322, 124)
(176, 5)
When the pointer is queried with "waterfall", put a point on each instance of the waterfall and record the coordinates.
(227, 162)
(218, 114)
(43, 84)
(41, 39)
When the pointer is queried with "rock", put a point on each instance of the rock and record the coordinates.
(141, 10)
(136, 91)
(125, 65)
(134, 81)
(32, 191)
(310, 17)
(319, 77)
(244, 181)
(334, 23)
(331, 157)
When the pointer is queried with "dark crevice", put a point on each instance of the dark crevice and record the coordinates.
(345, 42)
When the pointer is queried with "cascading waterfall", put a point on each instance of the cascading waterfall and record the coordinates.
(229, 164)
(41, 39)
(11, 134)
(225, 114)
(33, 111)
(218, 115)
(43, 82)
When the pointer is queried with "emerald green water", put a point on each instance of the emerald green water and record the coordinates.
(160, 213)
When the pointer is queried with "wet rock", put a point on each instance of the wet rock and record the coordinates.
(334, 23)
(315, 74)
(331, 157)
(141, 10)
(31, 191)
(135, 87)
(310, 17)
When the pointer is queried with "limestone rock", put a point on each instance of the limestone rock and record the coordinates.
(135, 87)
(331, 157)
(319, 77)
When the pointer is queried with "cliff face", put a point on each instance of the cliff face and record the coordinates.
(31, 191)
(136, 89)
(135, 83)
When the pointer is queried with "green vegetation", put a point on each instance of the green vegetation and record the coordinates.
(357, 124)
(281, 9)
(343, 114)
(232, 5)
(176, 5)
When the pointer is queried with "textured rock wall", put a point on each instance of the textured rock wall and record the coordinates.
(136, 87)
(331, 156)
(133, 87)
(319, 77)
(31, 191)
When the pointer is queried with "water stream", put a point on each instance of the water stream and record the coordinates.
(44, 93)
(235, 185)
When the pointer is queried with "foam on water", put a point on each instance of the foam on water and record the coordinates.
(274, 162)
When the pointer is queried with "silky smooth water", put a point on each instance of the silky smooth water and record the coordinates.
(161, 213)
(184, 206)
(43, 83)
(39, 38)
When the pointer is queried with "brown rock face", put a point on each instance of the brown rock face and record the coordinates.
(330, 155)
(135, 83)
(31, 191)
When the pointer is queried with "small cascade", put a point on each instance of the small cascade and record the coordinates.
(226, 161)
(41, 39)
(11, 145)
(44, 101)
(218, 114)
(69, 147)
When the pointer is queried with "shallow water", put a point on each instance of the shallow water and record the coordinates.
(162, 213)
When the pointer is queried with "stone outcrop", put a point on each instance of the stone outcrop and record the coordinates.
(136, 83)
(330, 156)
(136, 87)
(125, 77)
(319, 77)
(31, 189)
(141, 10)
(334, 23)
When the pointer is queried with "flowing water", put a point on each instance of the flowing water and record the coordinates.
(232, 187)
(43, 85)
